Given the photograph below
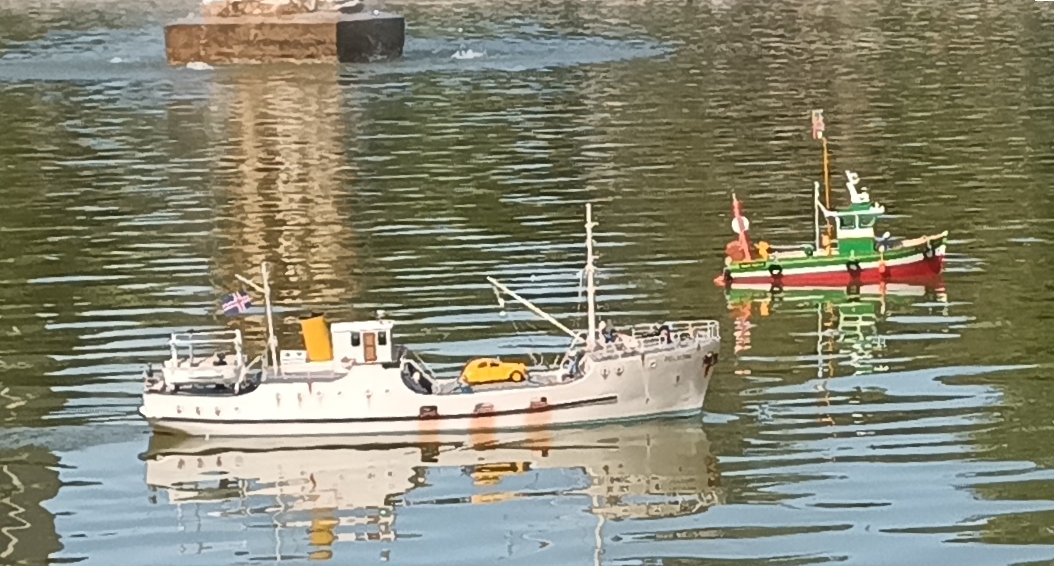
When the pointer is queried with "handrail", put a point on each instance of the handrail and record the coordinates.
(421, 363)
(204, 341)
(675, 326)
(701, 330)
(206, 332)
(186, 341)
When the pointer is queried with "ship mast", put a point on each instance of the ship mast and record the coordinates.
(817, 134)
(272, 342)
(590, 286)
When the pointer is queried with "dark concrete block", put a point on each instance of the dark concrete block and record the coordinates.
(362, 40)
(318, 36)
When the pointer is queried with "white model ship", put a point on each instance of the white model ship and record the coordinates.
(352, 380)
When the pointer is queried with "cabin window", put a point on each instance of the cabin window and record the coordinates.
(867, 221)
(382, 338)
(847, 222)
(356, 339)
(482, 364)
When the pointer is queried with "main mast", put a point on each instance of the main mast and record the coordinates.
(272, 341)
(817, 134)
(265, 290)
(590, 286)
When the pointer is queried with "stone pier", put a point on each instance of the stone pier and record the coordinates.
(306, 37)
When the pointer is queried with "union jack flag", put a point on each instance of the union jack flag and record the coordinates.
(236, 303)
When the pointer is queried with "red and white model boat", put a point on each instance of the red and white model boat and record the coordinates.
(844, 252)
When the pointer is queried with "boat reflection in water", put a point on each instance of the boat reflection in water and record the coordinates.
(848, 328)
(319, 494)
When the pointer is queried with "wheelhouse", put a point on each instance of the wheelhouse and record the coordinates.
(855, 226)
(364, 342)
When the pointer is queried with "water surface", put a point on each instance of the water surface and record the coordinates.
(904, 425)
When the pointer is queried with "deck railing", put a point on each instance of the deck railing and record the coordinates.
(189, 340)
(639, 338)
(703, 328)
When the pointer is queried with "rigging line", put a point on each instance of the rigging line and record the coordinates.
(516, 329)
(581, 290)
(530, 343)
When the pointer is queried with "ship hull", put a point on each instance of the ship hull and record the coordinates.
(373, 401)
(915, 264)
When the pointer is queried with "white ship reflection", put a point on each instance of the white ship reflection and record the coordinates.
(319, 494)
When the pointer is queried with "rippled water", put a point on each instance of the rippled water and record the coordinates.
(906, 426)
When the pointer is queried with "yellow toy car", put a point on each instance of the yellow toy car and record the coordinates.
(492, 370)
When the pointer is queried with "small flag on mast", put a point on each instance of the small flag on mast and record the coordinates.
(817, 124)
(740, 225)
(236, 303)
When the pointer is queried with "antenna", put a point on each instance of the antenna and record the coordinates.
(856, 196)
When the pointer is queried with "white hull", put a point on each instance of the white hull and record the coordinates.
(419, 431)
(373, 400)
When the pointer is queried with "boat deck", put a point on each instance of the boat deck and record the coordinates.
(294, 376)
(542, 378)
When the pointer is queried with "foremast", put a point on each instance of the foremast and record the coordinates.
(590, 270)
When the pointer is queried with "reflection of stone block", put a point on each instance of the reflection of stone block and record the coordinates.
(317, 36)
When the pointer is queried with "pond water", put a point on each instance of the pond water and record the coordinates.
(894, 426)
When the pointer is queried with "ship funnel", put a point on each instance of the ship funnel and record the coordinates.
(315, 331)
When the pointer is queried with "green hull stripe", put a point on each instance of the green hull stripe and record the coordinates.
(829, 261)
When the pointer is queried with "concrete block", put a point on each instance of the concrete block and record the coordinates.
(316, 36)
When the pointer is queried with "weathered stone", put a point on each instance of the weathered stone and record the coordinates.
(235, 8)
(316, 36)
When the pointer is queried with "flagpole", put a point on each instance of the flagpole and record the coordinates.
(272, 342)
(817, 133)
(816, 212)
(737, 213)
(826, 174)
